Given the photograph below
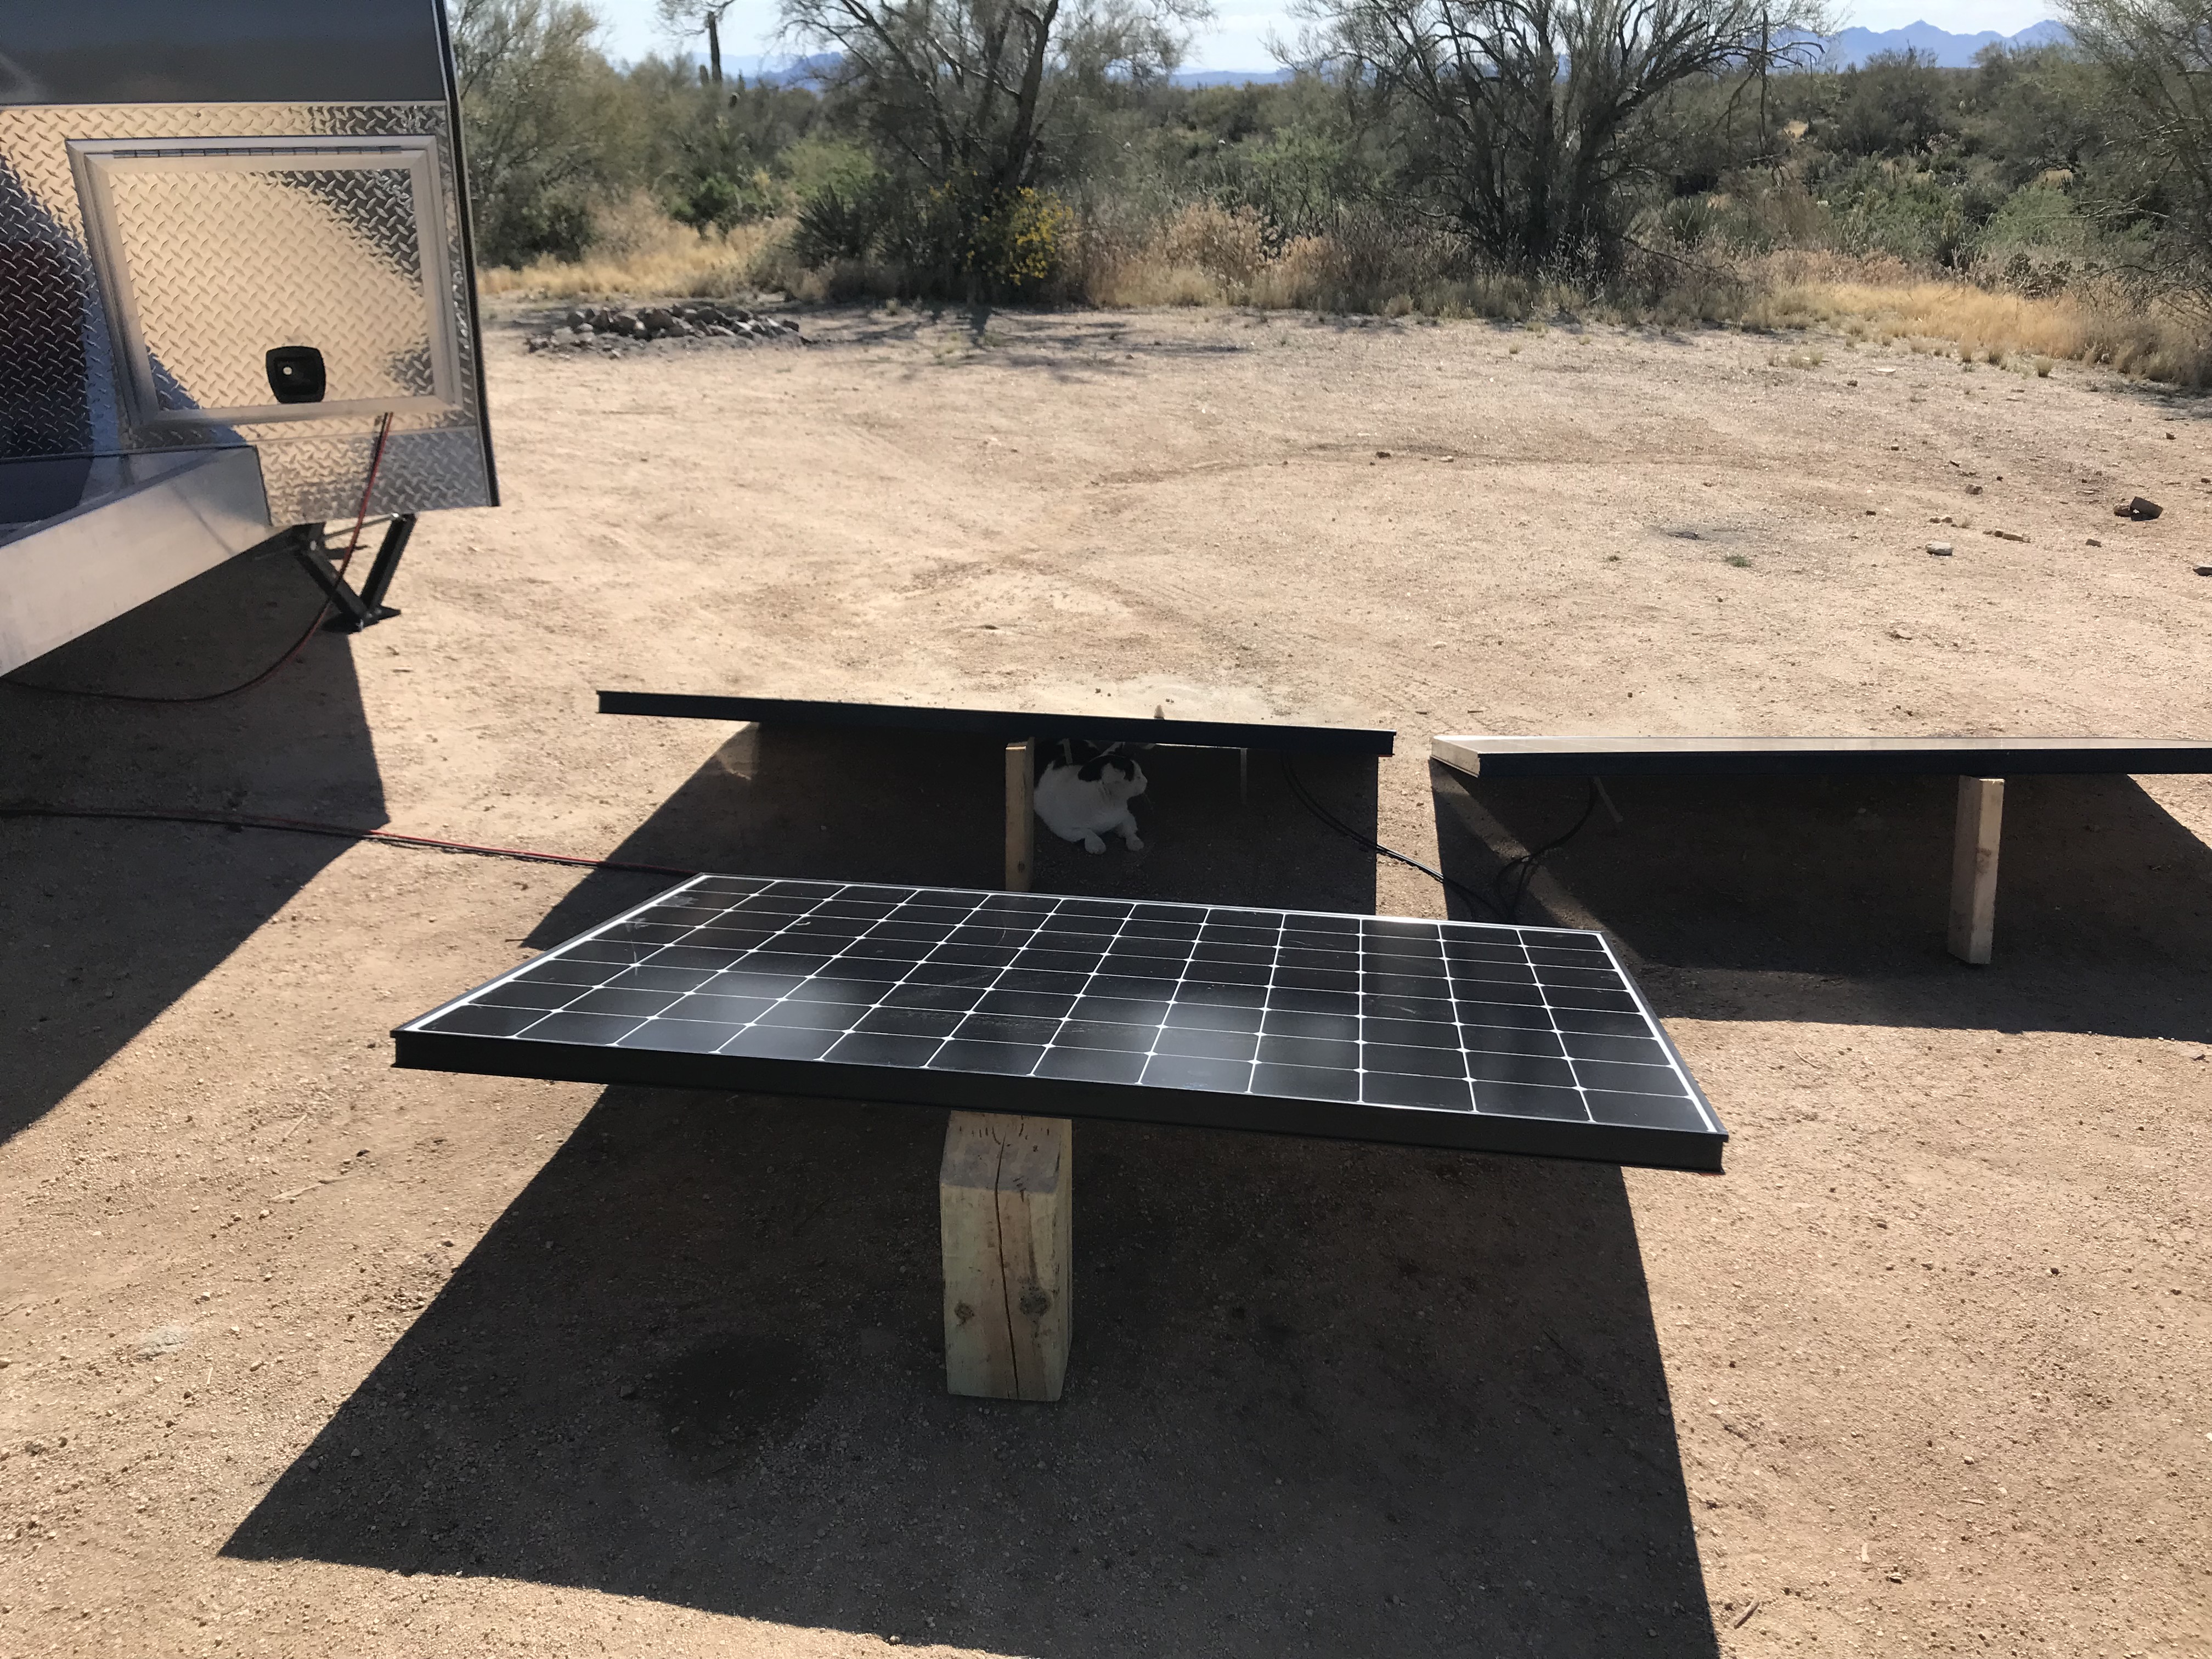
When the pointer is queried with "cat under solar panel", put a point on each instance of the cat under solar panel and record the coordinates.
(1372, 1028)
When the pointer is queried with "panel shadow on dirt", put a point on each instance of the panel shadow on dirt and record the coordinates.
(1323, 1398)
(103, 926)
(782, 800)
(1827, 899)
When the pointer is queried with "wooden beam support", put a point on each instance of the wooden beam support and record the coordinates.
(1007, 1211)
(1021, 814)
(1974, 867)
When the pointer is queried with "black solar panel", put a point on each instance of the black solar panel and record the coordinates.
(1446, 1034)
(1006, 724)
(1989, 757)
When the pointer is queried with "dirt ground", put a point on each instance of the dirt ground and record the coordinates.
(306, 1356)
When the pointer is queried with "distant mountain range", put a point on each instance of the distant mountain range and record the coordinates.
(1852, 47)
(1847, 50)
(1939, 47)
(1229, 78)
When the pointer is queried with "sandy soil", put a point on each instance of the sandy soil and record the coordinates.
(306, 1355)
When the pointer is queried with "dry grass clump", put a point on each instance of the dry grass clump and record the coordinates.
(1205, 255)
(1370, 262)
(1887, 302)
(640, 250)
(1375, 262)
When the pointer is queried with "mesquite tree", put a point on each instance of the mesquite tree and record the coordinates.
(1521, 121)
(964, 92)
(541, 114)
(2156, 59)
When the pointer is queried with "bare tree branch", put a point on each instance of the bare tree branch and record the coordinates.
(1524, 118)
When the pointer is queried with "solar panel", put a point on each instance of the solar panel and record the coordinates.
(1430, 1033)
(1583, 757)
(1007, 725)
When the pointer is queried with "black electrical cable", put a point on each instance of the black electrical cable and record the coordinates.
(1528, 864)
(291, 652)
(341, 831)
(1305, 798)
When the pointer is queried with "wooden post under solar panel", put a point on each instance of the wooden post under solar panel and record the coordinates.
(1974, 868)
(1007, 1211)
(1021, 814)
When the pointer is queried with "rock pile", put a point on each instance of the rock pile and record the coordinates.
(608, 327)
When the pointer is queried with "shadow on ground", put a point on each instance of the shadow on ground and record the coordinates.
(103, 926)
(1827, 899)
(898, 807)
(1324, 1398)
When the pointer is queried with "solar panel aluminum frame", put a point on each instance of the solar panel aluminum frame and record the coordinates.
(1006, 725)
(1489, 756)
(421, 1049)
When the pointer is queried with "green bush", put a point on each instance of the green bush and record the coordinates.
(1019, 244)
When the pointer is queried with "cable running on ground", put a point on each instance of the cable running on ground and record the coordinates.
(341, 831)
(1499, 903)
(1305, 798)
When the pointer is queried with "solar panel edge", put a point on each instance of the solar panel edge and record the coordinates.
(1201, 905)
(1666, 1039)
(1011, 725)
(525, 966)
(1463, 754)
(1473, 1131)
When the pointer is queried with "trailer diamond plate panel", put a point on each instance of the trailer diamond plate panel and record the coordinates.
(70, 395)
(322, 245)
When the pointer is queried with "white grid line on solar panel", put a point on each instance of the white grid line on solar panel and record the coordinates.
(1208, 1036)
(847, 1027)
(1673, 1060)
(598, 986)
(850, 1025)
(521, 969)
(1175, 1000)
(943, 1045)
(1459, 1023)
(794, 920)
(1090, 982)
(1018, 917)
(1416, 999)
(1014, 910)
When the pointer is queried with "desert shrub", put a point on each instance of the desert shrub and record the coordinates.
(1018, 244)
(675, 261)
(1686, 220)
(717, 201)
(958, 240)
(1228, 244)
(838, 222)
(1892, 105)
(1293, 182)
(2037, 216)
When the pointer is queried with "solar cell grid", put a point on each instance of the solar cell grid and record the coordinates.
(1414, 1019)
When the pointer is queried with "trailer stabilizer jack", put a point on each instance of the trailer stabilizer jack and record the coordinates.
(352, 611)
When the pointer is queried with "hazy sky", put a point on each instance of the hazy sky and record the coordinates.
(1238, 38)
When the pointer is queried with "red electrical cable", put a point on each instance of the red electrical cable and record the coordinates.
(292, 653)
